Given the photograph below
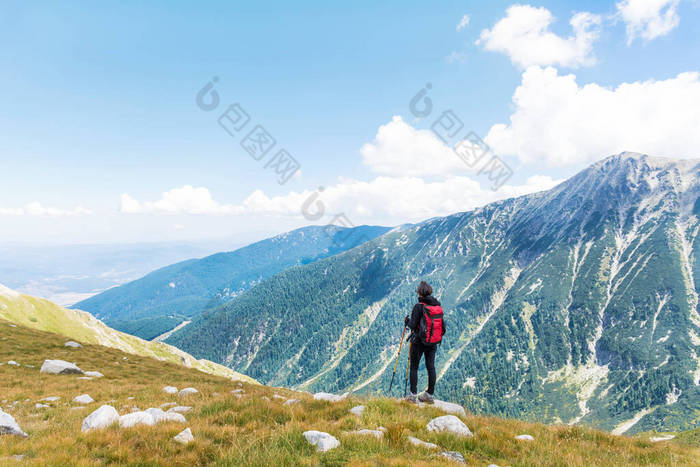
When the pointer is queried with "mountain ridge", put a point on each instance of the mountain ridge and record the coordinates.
(560, 304)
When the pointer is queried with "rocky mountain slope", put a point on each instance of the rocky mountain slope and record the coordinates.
(576, 305)
(40, 314)
(135, 415)
(167, 297)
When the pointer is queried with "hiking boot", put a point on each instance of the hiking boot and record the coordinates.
(412, 398)
(426, 398)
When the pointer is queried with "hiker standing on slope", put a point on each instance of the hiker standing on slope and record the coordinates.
(427, 328)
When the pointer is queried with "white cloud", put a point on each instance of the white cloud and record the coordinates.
(558, 122)
(463, 23)
(36, 209)
(648, 19)
(399, 149)
(523, 34)
(185, 200)
(403, 198)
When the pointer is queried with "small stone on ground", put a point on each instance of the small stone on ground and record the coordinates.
(525, 438)
(323, 441)
(101, 418)
(184, 437)
(84, 399)
(449, 424)
(170, 389)
(72, 344)
(187, 392)
(453, 456)
(422, 444)
(357, 410)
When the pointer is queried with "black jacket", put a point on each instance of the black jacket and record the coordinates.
(414, 320)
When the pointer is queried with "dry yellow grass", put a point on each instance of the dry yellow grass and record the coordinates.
(252, 430)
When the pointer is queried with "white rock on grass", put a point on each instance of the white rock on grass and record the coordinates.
(168, 404)
(86, 378)
(525, 438)
(449, 424)
(323, 441)
(101, 418)
(180, 409)
(291, 402)
(187, 392)
(422, 444)
(160, 416)
(41, 406)
(325, 396)
(357, 410)
(447, 407)
(364, 432)
(94, 374)
(237, 391)
(60, 367)
(184, 437)
(13, 363)
(73, 344)
(8, 425)
(656, 439)
(84, 399)
(174, 417)
(50, 399)
(136, 418)
(170, 389)
(277, 396)
(453, 456)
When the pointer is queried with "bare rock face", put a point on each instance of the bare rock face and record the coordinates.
(60, 367)
(8, 425)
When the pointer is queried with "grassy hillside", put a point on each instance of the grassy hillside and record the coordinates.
(256, 428)
(80, 326)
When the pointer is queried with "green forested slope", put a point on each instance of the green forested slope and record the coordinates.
(164, 298)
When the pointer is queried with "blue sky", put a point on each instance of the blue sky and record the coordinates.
(99, 103)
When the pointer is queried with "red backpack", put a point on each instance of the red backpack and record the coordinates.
(431, 327)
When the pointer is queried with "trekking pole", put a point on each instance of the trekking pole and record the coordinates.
(397, 360)
(408, 368)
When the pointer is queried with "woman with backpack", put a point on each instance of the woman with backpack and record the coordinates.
(427, 328)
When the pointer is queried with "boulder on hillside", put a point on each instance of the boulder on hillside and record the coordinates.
(160, 416)
(84, 399)
(101, 418)
(60, 367)
(50, 399)
(170, 389)
(447, 407)
(41, 406)
(358, 410)
(136, 418)
(454, 456)
(326, 396)
(184, 437)
(449, 424)
(365, 432)
(525, 438)
(73, 344)
(8, 425)
(94, 374)
(187, 392)
(323, 441)
(422, 444)
(13, 363)
(180, 409)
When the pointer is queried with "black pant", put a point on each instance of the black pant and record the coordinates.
(417, 350)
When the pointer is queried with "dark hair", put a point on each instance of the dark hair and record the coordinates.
(424, 289)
